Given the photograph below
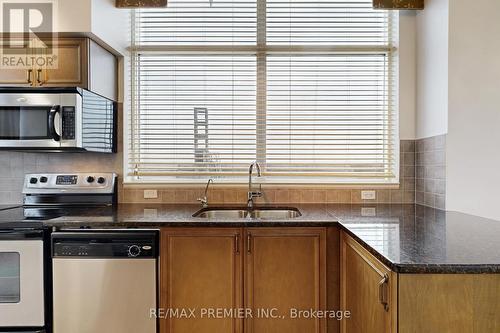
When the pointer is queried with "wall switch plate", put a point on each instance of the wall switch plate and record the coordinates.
(150, 194)
(368, 195)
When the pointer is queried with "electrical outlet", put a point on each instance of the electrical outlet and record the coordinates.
(368, 195)
(150, 213)
(150, 194)
(368, 211)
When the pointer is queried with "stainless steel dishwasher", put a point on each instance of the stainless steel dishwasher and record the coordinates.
(104, 281)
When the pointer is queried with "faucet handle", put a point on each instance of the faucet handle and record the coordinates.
(203, 201)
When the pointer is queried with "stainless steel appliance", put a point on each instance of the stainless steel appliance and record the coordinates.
(25, 290)
(104, 281)
(22, 292)
(63, 190)
(56, 119)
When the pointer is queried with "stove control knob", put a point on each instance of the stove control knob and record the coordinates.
(101, 180)
(134, 251)
(33, 180)
(90, 179)
(43, 179)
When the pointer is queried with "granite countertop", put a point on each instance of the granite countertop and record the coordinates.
(417, 239)
(407, 238)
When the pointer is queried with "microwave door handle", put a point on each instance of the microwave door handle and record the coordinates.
(52, 124)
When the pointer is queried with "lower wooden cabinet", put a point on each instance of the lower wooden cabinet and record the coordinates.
(368, 291)
(449, 303)
(200, 269)
(381, 301)
(266, 271)
(251, 280)
(285, 271)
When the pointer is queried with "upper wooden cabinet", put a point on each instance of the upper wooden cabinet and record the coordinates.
(17, 76)
(368, 291)
(81, 62)
(72, 67)
(285, 271)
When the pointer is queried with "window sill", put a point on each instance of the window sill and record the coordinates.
(344, 183)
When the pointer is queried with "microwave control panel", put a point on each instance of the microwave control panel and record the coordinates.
(68, 122)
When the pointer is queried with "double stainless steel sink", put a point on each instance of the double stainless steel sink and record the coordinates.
(264, 213)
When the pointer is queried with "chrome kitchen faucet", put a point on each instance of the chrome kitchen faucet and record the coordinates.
(251, 193)
(204, 200)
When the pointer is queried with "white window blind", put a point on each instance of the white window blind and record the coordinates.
(306, 88)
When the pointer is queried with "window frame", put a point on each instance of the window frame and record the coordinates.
(261, 50)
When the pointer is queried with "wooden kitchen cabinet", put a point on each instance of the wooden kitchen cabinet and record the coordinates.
(449, 303)
(72, 67)
(81, 62)
(201, 269)
(16, 76)
(368, 291)
(415, 303)
(214, 268)
(284, 270)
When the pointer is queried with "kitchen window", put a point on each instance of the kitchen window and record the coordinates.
(306, 88)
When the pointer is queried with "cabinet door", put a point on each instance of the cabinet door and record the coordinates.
(368, 291)
(16, 70)
(71, 67)
(285, 270)
(200, 270)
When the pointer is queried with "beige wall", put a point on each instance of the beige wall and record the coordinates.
(458, 80)
(73, 16)
(473, 142)
(407, 74)
(432, 69)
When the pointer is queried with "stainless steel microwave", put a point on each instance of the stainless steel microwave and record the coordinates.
(56, 119)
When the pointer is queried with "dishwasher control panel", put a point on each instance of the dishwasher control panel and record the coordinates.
(104, 244)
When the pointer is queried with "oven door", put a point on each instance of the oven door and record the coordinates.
(31, 120)
(21, 280)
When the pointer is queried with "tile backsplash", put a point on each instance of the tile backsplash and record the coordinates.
(431, 172)
(13, 165)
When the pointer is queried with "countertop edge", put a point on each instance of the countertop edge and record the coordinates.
(324, 218)
(424, 268)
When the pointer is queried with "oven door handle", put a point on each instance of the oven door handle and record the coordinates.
(20, 234)
(52, 122)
